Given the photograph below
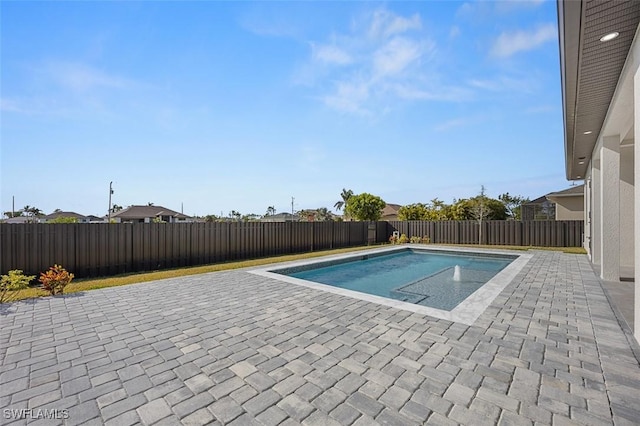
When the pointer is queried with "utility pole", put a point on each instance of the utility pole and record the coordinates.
(13, 206)
(110, 193)
(292, 208)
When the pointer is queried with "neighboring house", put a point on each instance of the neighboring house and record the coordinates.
(539, 209)
(562, 205)
(281, 217)
(600, 69)
(569, 203)
(390, 212)
(96, 219)
(149, 214)
(55, 215)
(19, 219)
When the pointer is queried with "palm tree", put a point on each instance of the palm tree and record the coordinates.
(345, 195)
(271, 211)
(323, 214)
(32, 212)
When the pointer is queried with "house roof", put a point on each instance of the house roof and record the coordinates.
(391, 209)
(141, 212)
(574, 191)
(280, 216)
(590, 70)
(539, 200)
(18, 219)
(56, 215)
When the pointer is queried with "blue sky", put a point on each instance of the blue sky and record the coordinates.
(242, 105)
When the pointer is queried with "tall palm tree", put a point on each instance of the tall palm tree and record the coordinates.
(345, 195)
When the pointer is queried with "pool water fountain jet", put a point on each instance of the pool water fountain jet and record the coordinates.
(456, 273)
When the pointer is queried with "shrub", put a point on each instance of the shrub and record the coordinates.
(55, 279)
(393, 239)
(426, 240)
(403, 239)
(12, 282)
(415, 240)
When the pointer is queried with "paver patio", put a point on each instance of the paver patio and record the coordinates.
(236, 348)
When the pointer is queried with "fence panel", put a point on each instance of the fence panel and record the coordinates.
(107, 249)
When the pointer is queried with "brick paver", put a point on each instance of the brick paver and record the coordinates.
(237, 348)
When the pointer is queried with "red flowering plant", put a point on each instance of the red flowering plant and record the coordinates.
(55, 279)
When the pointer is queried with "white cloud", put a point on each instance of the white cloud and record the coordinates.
(331, 54)
(503, 83)
(385, 24)
(384, 58)
(396, 55)
(488, 9)
(439, 93)
(349, 96)
(81, 77)
(510, 43)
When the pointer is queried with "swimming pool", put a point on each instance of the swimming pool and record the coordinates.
(417, 276)
(419, 279)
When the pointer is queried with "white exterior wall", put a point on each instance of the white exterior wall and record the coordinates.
(636, 196)
(627, 250)
(595, 212)
(586, 243)
(610, 208)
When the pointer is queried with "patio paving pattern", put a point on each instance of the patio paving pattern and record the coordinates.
(236, 348)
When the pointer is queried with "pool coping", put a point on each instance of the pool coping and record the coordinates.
(467, 312)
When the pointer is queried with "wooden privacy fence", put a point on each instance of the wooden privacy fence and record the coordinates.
(107, 249)
(541, 233)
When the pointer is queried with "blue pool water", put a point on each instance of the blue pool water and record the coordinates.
(417, 276)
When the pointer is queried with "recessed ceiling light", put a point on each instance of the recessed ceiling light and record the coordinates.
(580, 162)
(610, 36)
(578, 176)
(588, 132)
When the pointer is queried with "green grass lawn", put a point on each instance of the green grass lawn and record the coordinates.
(134, 278)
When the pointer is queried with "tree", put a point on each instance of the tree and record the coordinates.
(479, 210)
(321, 214)
(115, 208)
(13, 214)
(211, 218)
(417, 211)
(64, 219)
(271, 211)
(484, 208)
(364, 207)
(32, 212)
(513, 205)
(345, 195)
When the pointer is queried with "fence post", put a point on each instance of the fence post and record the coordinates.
(371, 233)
